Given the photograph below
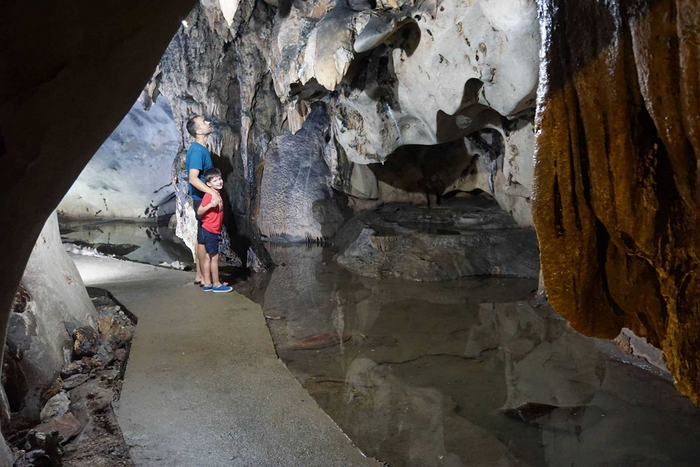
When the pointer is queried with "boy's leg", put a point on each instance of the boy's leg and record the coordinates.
(205, 266)
(201, 259)
(214, 269)
(217, 285)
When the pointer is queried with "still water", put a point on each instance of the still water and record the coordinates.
(467, 373)
(144, 242)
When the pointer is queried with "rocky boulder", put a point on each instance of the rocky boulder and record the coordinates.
(38, 342)
(465, 237)
(296, 202)
(617, 196)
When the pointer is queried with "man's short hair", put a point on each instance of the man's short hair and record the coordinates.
(211, 173)
(192, 125)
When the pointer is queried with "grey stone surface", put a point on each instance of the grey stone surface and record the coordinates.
(296, 201)
(470, 237)
(204, 386)
(66, 425)
(129, 175)
(55, 407)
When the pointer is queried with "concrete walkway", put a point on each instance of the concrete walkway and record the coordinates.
(203, 385)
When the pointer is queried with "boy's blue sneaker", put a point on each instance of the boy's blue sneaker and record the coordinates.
(208, 288)
(222, 289)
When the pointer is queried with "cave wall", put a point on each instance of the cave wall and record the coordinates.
(616, 174)
(76, 70)
(129, 175)
(400, 76)
(216, 66)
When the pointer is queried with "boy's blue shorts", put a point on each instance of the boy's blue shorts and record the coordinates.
(210, 241)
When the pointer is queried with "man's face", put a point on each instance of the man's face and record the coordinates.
(203, 126)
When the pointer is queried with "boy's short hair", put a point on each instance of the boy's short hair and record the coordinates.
(211, 173)
(192, 125)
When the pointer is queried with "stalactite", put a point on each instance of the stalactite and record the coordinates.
(616, 182)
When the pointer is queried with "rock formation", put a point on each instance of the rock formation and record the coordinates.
(616, 178)
(415, 74)
(61, 99)
(295, 197)
(51, 294)
(129, 176)
(216, 66)
(465, 237)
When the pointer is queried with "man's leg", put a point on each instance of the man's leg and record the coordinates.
(199, 255)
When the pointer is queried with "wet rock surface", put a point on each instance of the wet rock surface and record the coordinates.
(470, 372)
(77, 426)
(617, 196)
(463, 237)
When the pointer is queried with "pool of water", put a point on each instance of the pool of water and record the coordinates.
(145, 242)
(467, 373)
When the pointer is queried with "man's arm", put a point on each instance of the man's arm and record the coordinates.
(201, 186)
(203, 208)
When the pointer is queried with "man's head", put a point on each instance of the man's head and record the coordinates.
(198, 125)
(213, 179)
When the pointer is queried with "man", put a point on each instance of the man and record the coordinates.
(198, 160)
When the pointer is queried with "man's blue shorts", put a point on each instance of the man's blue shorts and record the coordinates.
(210, 241)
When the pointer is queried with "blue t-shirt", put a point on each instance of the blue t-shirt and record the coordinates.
(198, 157)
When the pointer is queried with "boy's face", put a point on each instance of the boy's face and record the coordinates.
(216, 183)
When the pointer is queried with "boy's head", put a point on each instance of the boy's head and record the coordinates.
(213, 179)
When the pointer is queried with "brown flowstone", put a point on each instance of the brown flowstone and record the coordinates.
(616, 174)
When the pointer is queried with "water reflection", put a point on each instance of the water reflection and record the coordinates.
(144, 242)
(467, 373)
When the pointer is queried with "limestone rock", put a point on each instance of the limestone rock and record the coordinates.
(74, 381)
(616, 186)
(470, 238)
(113, 332)
(216, 66)
(66, 425)
(74, 368)
(37, 340)
(428, 73)
(55, 407)
(85, 342)
(5, 410)
(296, 202)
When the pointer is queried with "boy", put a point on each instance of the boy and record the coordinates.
(212, 216)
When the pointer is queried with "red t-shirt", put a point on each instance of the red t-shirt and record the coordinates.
(212, 219)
